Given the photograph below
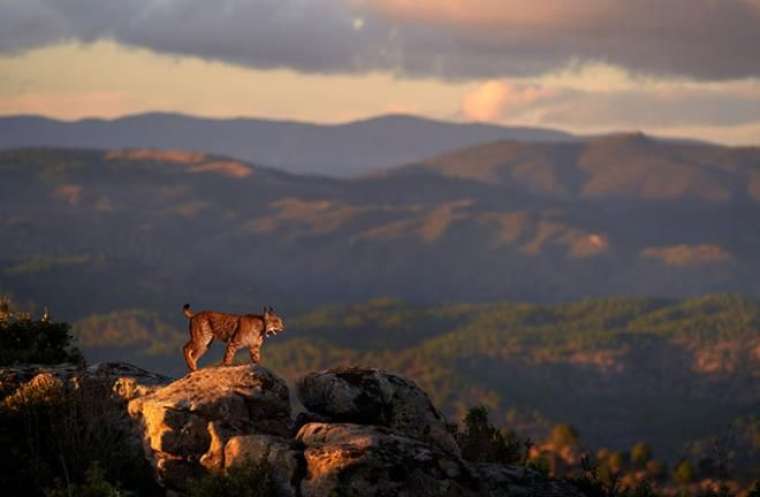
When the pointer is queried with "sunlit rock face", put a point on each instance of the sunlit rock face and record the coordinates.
(282, 456)
(352, 459)
(123, 380)
(367, 433)
(187, 423)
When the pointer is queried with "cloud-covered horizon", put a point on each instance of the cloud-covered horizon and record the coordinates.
(467, 39)
(649, 106)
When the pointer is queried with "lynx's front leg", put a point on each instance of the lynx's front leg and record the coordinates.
(255, 352)
(229, 353)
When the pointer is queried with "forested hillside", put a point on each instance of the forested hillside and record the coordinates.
(620, 370)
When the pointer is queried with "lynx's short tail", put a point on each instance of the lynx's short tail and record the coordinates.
(187, 311)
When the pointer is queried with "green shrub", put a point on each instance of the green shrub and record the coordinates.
(722, 491)
(52, 432)
(245, 480)
(656, 469)
(540, 465)
(684, 472)
(598, 480)
(26, 341)
(95, 485)
(563, 435)
(641, 453)
(616, 461)
(482, 442)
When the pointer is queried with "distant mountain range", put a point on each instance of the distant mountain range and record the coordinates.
(335, 150)
(541, 222)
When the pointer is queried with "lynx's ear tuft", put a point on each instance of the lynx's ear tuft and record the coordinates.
(186, 306)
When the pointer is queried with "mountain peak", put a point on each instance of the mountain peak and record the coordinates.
(347, 149)
(624, 138)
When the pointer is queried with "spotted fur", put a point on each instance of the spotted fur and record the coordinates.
(237, 330)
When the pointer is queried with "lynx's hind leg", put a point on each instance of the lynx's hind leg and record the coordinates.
(200, 338)
(187, 351)
(193, 351)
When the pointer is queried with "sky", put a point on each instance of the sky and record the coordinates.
(688, 68)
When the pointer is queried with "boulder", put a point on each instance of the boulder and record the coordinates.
(373, 461)
(376, 397)
(186, 425)
(282, 457)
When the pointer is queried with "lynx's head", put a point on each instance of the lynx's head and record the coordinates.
(272, 322)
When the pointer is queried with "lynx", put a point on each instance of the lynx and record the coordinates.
(237, 330)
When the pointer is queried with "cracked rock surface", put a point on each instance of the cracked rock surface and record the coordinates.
(375, 397)
(374, 461)
(186, 425)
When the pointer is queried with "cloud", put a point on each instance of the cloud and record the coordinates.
(654, 106)
(494, 100)
(704, 39)
(307, 35)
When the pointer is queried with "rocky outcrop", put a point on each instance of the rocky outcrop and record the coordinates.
(367, 433)
(375, 397)
(373, 433)
(373, 461)
(187, 424)
(124, 380)
(361, 460)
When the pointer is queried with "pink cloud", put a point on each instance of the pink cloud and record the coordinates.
(493, 100)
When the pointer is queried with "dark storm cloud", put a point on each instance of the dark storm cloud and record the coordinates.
(706, 39)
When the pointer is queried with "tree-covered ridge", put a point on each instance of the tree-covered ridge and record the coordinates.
(620, 369)
(463, 330)
(667, 370)
(546, 331)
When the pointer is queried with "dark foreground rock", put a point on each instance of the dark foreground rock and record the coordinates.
(368, 433)
(374, 397)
